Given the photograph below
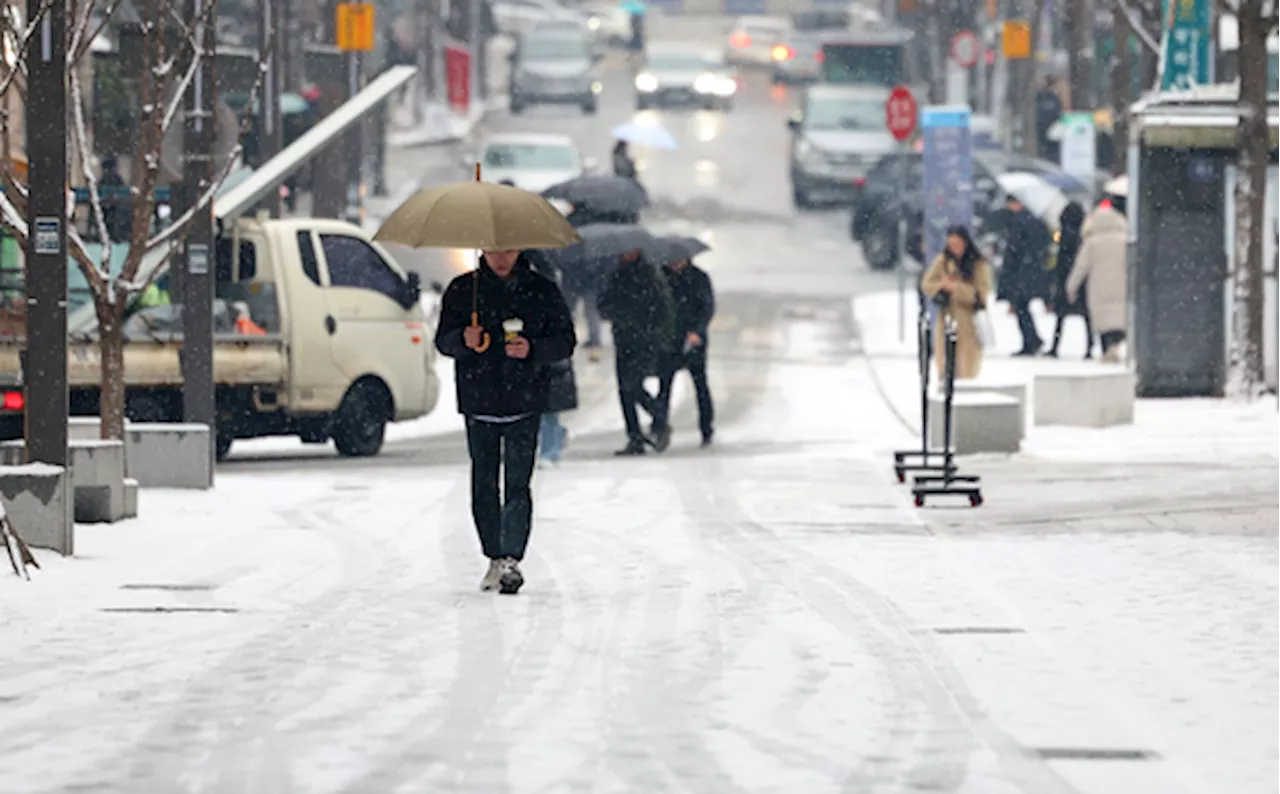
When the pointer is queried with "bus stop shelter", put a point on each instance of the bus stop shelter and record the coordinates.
(1181, 210)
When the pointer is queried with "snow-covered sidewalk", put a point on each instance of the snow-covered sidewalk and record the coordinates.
(1163, 430)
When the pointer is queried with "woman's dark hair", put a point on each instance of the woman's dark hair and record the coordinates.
(1072, 218)
(967, 263)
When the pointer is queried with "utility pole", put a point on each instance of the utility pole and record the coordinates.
(354, 143)
(45, 365)
(198, 404)
(271, 31)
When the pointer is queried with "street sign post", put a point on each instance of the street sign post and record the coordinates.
(965, 49)
(1078, 149)
(353, 34)
(948, 175)
(901, 114)
(1015, 39)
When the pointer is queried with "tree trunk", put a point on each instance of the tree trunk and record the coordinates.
(1121, 83)
(1245, 379)
(1080, 53)
(111, 351)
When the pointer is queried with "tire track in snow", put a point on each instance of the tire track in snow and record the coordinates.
(918, 667)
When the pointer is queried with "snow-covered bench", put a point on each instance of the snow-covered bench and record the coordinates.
(37, 498)
(101, 491)
(1015, 389)
(1094, 397)
(169, 455)
(981, 421)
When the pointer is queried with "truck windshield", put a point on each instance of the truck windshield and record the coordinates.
(839, 113)
(863, 64)
(558, 48)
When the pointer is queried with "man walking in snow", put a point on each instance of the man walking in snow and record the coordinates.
(695, 305)
(502, 385)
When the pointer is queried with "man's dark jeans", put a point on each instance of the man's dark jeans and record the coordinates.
(696, 362)
(502, 520)
(1031, 341)
(631, 392)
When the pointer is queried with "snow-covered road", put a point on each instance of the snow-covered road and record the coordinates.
(769, 617)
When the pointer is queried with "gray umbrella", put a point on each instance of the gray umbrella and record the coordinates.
(601, 194)
(601, 247)
(677, 248)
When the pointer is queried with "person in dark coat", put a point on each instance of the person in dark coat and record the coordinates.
(562, 394)
(637, 300)
(1069, 224)
(695, 306)
(1048, 112)
(623, 165)
(502, 388)
(1026, 243)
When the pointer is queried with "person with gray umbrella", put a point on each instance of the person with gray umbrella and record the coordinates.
(695, 306)
(637, 300)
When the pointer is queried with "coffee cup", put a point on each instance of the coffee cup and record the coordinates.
(512, 328)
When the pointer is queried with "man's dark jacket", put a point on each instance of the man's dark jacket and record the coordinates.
(695, 301)
(1022, 276)
(637, 300)
(491, 383)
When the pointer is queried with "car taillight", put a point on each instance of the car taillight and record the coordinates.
(14, 401)
(819, 56)
(860, 182)
(740, 39)
(782, 52)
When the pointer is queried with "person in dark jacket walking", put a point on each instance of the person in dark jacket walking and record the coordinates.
(623, 165)
(1026, 243)
(695, 306)
(502, 387)
(1069, 224)
(637, 300)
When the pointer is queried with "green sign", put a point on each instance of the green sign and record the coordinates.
(1186, 55)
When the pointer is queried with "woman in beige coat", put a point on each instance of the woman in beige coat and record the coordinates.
(1101, 262)
(965, 277)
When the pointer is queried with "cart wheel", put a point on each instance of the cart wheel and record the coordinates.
(975, 500)
(919, 500)
(902, 475)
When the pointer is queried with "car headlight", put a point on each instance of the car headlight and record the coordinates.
(593, 23)
(597, 87)
(646, 82)
(726, 86)
(706, 83)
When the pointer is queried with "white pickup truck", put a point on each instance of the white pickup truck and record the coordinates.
(339, 342)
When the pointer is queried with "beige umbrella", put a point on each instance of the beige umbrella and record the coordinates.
(477, 215)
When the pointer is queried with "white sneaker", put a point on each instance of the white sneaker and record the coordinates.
(492, 577)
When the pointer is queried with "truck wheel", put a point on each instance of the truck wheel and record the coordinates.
(360, 423)
(222, 445)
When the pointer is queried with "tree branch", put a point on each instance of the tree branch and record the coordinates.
(21, 45)
(80, 134)
(81, 44)
(1139, 27)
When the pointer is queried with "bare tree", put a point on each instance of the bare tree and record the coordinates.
(1256, 21)
(171, 56)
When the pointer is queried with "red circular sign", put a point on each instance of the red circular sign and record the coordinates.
(901, 113)
(965, 49)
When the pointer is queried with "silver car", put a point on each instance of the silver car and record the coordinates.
(797, 59)
(685, 74)
(838, 133)
(555, 67)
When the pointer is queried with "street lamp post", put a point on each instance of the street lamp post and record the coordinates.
(45, 367)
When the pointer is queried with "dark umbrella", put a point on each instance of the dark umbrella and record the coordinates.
(601, 247)
(601, 194)
(680, 249)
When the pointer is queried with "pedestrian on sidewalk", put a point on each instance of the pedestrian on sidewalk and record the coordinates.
(695, 307)
(959, 282)
(637, 300)
(1069, 223)
(1100, 267)
(623, 165)
(1021, 277)
(502, 388)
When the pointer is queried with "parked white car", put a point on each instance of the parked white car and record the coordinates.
(752, 40)
(520, 17)
(530, 161)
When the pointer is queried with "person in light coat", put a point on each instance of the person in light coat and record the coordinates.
(1101, 263)
(959, 281)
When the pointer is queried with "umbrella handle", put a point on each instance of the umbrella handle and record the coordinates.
(484, 339)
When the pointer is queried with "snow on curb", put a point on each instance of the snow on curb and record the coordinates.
(1164, 430)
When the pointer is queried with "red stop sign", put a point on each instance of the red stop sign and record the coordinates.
(901, 112)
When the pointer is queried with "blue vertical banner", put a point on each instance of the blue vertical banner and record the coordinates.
(1186, 54)
(948, 175)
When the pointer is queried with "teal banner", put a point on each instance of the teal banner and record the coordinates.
(1186, 59)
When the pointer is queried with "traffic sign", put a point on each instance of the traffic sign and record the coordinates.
(965, 49)
(901, 113)
(354, 31)
(1016, 39)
